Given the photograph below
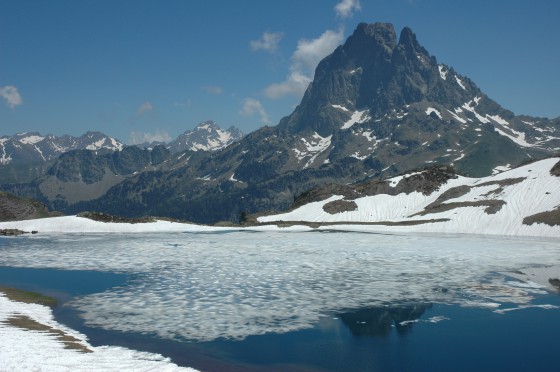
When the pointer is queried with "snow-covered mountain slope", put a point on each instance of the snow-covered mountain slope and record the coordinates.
(33, 147)
(206, 136)
(521, 201)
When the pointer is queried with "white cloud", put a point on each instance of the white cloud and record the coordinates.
(304, 61)
(143, 137)
(296, 83)
(251, 107)
(268, 42)
(310, 52)
(11, 95)
(145, 107)
(346, 8)
(213, 89)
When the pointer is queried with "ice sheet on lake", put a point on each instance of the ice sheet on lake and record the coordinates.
(203, 286)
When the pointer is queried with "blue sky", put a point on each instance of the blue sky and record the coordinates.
(140, 70)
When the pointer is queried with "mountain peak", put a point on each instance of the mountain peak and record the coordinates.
(206, 136)
(380, 31)
(372, 74)
(208, 125)
(408, 40)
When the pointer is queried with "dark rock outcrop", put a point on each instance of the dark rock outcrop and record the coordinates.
(13, 208)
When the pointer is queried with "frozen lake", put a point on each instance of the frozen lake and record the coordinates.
(265, 299)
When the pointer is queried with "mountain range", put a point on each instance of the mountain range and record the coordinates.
(27, 156)
(378, 106)
(33, 147)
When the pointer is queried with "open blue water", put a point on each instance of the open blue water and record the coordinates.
(359, 302)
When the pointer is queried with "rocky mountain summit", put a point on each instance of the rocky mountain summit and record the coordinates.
(206, 136)
(378, 106)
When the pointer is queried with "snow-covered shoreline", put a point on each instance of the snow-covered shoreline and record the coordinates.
(74, 224)
(519, 193)
(30, 350)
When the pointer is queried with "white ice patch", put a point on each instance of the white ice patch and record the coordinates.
(498, 119)
(467, 106)
(96, 145)
(6, 158)
(340, 107)
(393, 182)
(460, 157)
(518, 137)
(460, 82)
(207, 177)
(357, 155)
(431, 109)
(442, 72)
(40, 152)
(31, 140)
(313, 147)
(369, 136)
(457, 117)
(500, 169)
(356, 118)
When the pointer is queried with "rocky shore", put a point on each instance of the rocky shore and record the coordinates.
(14, 232)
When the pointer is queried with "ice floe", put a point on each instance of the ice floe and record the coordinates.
(204, 286)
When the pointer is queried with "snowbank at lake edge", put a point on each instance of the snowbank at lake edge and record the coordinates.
(520, 192)
(22, 349)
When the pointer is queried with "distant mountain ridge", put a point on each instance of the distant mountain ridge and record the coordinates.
(33, 147)
(27, 156)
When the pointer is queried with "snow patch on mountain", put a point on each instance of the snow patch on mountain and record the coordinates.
(340, 107)
(356, 118)
(6, 158)
(496, 204)
(518, 137)
(442, 72)
(457, 117)
(313, 147)
(431, 109)
(469, 106)
(369, 135)
(460, 82)
(31, 140)
(96, 145)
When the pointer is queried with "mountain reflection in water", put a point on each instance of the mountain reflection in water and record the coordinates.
(379, 321)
